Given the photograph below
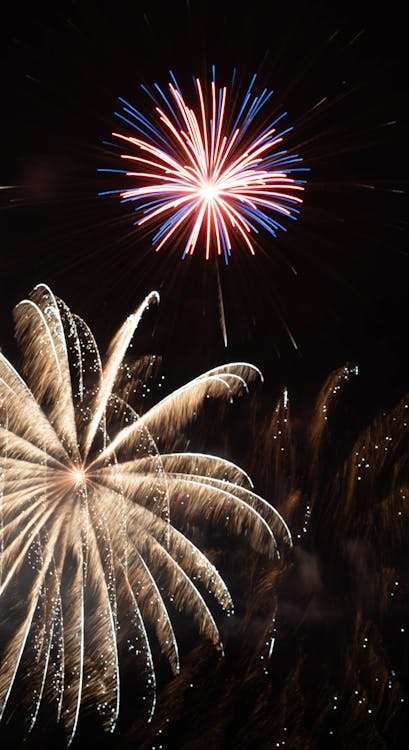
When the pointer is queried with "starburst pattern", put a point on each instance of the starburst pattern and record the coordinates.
(94, 517)
(206, 174)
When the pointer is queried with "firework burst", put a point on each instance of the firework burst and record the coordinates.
(93, 536)
(209, 174)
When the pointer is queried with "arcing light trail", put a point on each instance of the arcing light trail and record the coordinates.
(96, 517)
(209, 176)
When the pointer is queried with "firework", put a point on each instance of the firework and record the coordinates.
(207, 174)
(93, 515)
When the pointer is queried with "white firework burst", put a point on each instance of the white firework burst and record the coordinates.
(94, 517)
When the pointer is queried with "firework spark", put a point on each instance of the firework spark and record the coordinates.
(206, 174)
(93, 515)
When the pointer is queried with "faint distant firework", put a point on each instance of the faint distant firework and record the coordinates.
(96, 517)
(342, 482)
(208, 176)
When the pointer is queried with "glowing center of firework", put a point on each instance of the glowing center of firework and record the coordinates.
(78, 477)
(209, 191)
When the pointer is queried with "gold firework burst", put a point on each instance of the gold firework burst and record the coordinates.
(94, 518)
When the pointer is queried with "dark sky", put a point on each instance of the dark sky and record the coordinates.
(62, 74)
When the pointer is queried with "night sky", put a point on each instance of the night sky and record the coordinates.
(339, 72)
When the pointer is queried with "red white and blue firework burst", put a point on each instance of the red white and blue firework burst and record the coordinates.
(208, 176)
